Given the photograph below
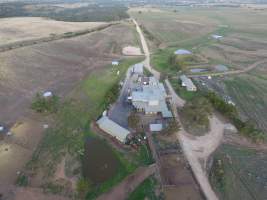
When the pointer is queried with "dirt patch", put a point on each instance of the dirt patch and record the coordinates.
(131, 51)
(16, 149)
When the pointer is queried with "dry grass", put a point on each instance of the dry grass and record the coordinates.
(25, 28)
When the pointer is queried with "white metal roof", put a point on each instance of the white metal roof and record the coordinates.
(113, 128)
(47, 94)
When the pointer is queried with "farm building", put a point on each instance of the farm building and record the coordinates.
(115, 63)
(187, 82)
(182, 52)
(151, 99)
(138, 68)
(113, 129)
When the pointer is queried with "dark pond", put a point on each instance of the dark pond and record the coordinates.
(100, 163)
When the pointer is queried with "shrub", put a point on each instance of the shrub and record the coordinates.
(41, 104)
(22, 180)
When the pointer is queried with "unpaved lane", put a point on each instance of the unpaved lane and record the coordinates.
(146, 51)
(122, 191)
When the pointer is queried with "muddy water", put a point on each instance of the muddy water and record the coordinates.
(100, 163)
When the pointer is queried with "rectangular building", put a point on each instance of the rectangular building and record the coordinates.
(187, 82)
(113, 129)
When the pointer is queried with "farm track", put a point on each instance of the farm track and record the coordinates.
(26, 43)
(235, 72)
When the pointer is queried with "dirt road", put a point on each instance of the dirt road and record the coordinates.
(121, 191)
(235, 72)
(146, 51)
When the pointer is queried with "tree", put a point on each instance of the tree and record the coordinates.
(171, 127)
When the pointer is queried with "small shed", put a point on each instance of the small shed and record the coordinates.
(115, 63)
(155, 127)
(113, 129)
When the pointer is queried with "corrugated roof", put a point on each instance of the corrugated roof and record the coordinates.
(113, 128)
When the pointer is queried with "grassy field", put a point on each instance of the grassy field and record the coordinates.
(239, 173)
(249, 92)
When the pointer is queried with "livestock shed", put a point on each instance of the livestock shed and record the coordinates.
(113, 129)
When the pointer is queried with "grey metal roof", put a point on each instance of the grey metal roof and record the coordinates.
(113, 128)
(152, 98)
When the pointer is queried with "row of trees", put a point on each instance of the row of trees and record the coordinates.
(246, 128)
